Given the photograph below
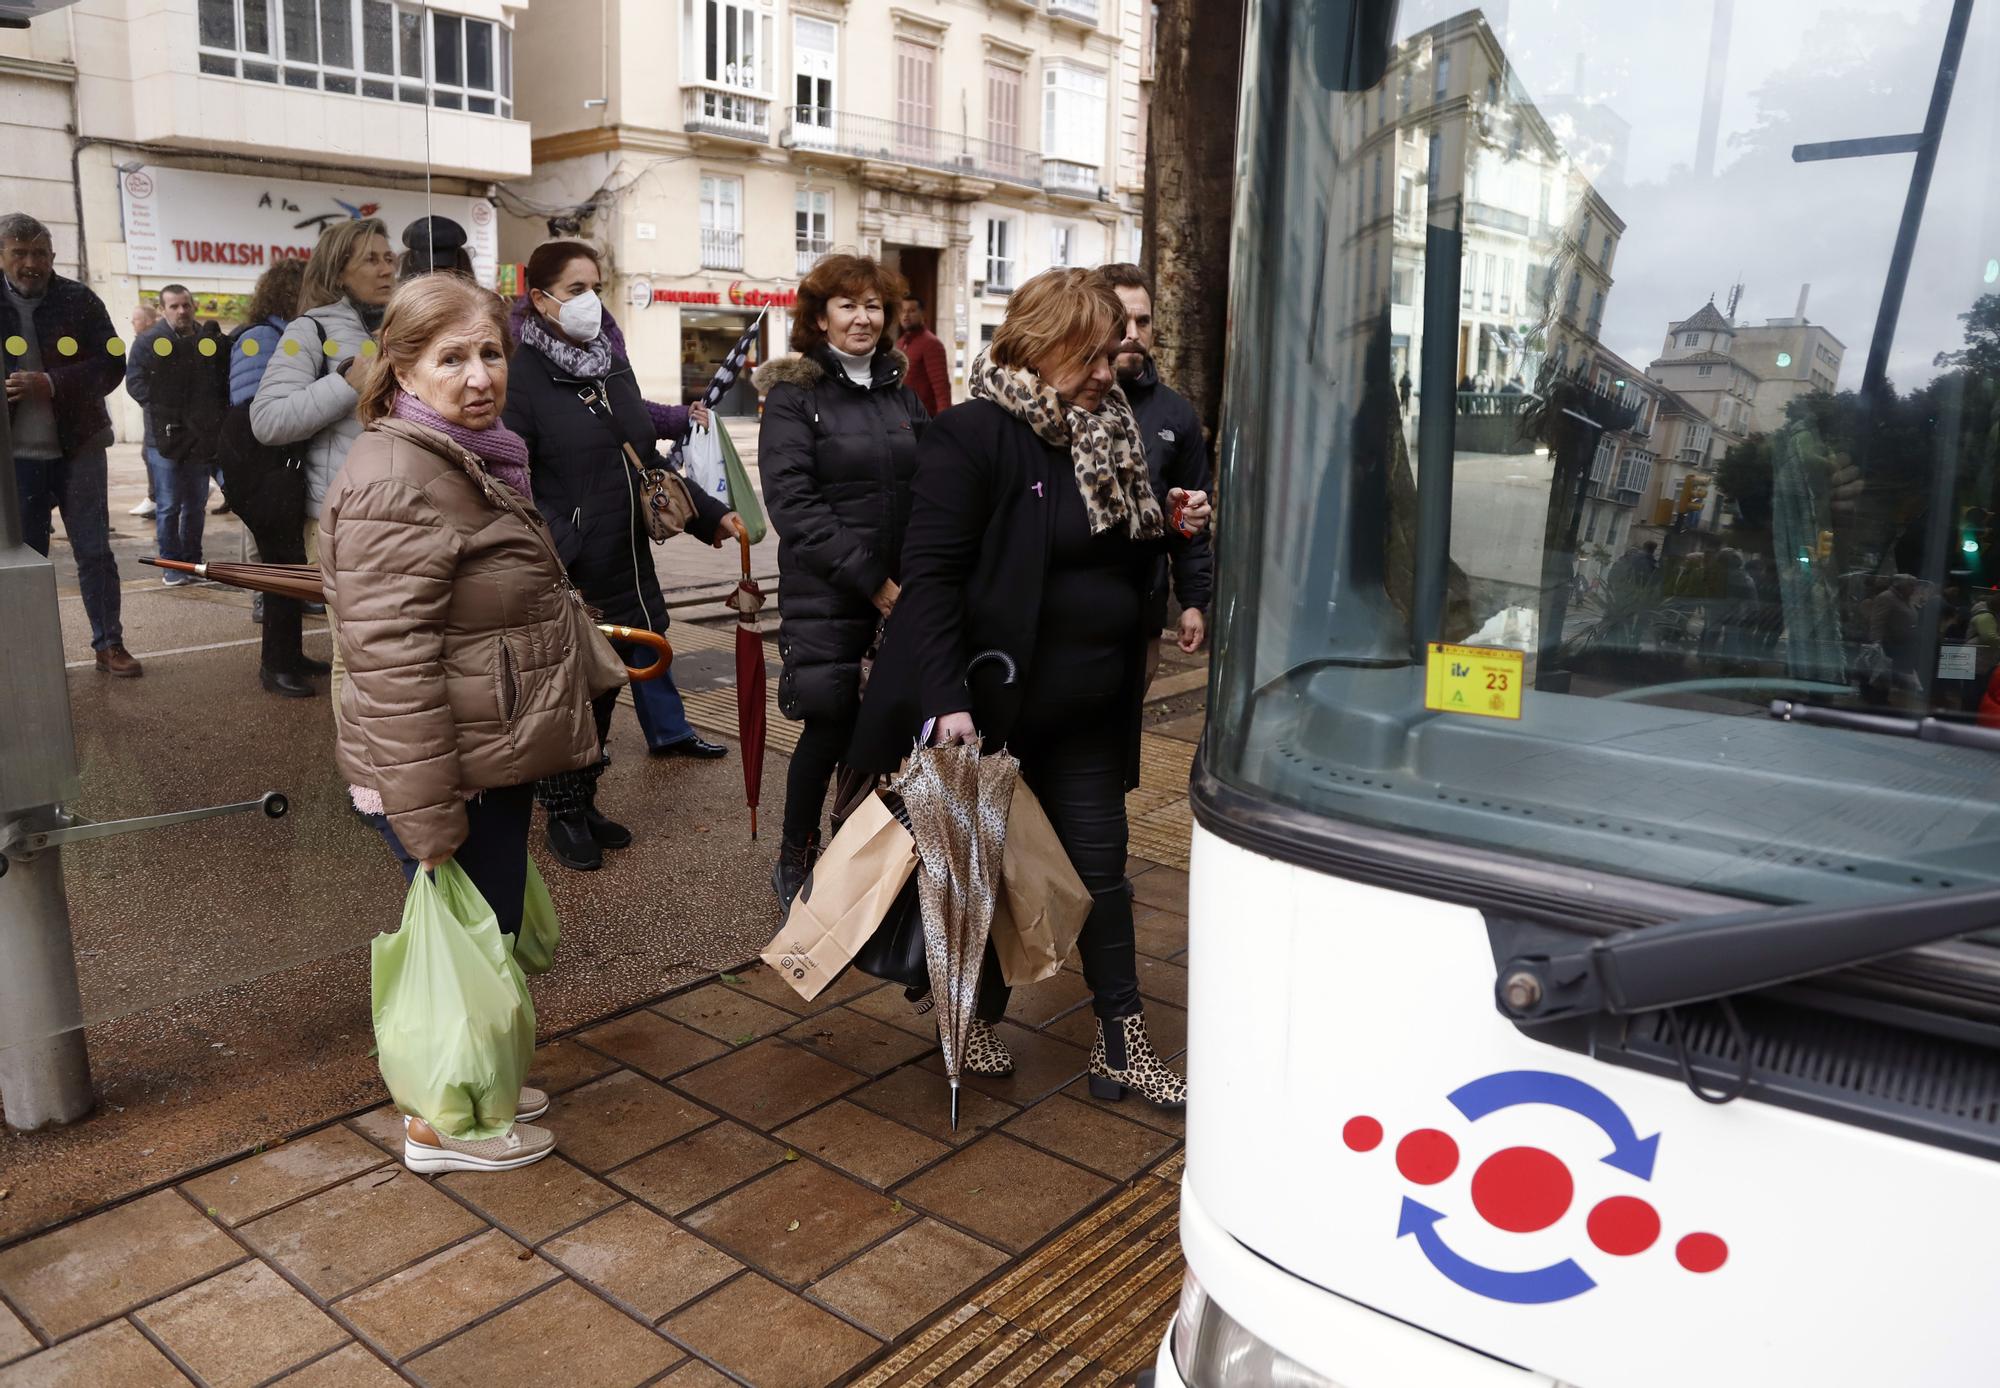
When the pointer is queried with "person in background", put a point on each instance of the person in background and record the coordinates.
(144, 316)
(1034, 531)
(930, 375)
(836, 454)
(1175, 457)
(55, 409)
(433, 245)
(576, 402)
(306, 395)
(439, 574)
(267, 490)
(176, 372)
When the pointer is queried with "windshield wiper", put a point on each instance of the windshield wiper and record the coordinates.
(1708, 957)
(1924, 729)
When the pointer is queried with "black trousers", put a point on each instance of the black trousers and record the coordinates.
(280, 540)
(494, 854)
(822, 744)
(1076, 768)
(570, 792)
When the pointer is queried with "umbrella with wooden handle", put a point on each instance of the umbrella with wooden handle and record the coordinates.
(748, 600)
(302, 581)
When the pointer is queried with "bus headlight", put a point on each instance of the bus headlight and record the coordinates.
(1212, 1350)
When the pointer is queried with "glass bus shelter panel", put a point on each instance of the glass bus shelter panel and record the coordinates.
(1656, 384)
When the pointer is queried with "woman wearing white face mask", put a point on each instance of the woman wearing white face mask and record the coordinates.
(576, 402)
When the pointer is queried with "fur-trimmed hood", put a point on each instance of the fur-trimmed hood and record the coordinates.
(807, 370)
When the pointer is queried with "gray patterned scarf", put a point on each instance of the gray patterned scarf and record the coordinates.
(1105, 448)
(590, 362)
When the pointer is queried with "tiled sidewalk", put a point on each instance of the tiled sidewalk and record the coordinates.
(748, 1188)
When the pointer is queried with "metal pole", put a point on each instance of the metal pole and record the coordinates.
(1437, 427)
(44, 1068)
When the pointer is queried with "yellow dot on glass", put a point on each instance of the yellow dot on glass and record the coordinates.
(332, 348)
(206, 347)
(17, 346)
(368, 348)
(291, 347)
(250, 347)
(162, 347)
(66, 346)
(116, 346)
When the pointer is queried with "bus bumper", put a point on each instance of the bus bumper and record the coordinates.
(1327, 1339)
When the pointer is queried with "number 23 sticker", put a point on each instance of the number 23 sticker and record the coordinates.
(1478, 680)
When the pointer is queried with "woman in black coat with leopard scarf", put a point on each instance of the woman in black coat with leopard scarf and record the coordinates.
(1034, 531)
(837, 451)
(576, 402)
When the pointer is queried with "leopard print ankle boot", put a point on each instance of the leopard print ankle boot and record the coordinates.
(1123, 1059)
(985, 1053)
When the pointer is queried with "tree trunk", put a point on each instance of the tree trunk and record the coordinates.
(1190, 189)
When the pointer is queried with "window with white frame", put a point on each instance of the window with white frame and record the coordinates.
(1442, 83)
(370, 48)
(813, 223)
(1506, 284)
(1376, 211)
(1073, 114)
(1434, 163)
(999, 253)
(1062, 245)
(1635, 471)
(1690, 339)
(726, 43)
(815, 57)
(1403, 283)
(1704, 370)
(1575, 294)
(1600, 466)
(1486, 284)
(1003, 105)
(1604, 251)
(721, 222)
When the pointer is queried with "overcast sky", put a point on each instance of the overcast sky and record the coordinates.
(1798, 71)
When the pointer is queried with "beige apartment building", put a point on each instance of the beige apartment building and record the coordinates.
(717, 148)
(195, 141)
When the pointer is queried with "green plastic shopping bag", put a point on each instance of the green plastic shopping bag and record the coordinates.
(454, 1028)
(743, 498)
(535, 945)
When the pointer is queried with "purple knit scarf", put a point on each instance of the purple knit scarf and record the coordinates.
(504, 452)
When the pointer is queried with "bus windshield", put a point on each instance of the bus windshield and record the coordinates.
(1602, 376)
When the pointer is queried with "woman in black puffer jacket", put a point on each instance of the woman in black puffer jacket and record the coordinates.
(573, 397)
(837, 451)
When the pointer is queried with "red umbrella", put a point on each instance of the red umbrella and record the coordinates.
(748, 600)
(302, 581)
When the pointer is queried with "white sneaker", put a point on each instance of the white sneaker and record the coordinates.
(521, 1145)
(533, 1104)
(144, 508)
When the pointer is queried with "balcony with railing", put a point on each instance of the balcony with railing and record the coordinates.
(1499, 218)
(843, 134)
(721, 250)
(1075, 11)
(810, 251)
(1071, 179)
(728, 113)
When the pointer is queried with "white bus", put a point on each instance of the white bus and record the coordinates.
(1597, 861)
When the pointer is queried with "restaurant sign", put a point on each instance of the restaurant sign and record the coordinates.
(209, 227)
(736, 296)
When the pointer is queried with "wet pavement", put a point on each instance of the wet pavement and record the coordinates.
(225, 975)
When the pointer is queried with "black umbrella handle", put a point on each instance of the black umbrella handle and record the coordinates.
(1006, 663)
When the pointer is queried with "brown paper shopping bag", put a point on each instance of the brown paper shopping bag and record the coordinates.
(848, 893)
(1042, 901)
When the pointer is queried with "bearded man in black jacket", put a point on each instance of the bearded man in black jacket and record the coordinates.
(1176, 456)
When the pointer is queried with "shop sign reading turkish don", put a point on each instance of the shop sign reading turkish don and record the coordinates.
(204, 227)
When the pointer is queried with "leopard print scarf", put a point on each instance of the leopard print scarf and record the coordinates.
(1105, 448)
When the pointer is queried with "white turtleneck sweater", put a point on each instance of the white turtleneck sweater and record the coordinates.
(860, 370)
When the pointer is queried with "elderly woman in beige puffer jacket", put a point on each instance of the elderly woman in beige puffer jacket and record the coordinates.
(471, 663)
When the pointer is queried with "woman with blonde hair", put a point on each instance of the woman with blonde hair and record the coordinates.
(1035, 532)
(471, 670)
(307, 395)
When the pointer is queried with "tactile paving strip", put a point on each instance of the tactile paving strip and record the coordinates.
(1090, 1308)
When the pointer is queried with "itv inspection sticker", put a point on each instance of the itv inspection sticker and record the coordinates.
(1473, 679)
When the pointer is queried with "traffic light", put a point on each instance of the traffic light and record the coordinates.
(1694, 493)
(1972, 525)
(1826, 544)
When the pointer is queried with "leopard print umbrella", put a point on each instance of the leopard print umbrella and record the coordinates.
(957, 801)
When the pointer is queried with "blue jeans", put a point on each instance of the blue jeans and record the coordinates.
(662, 715)
(75, 486)
(180, 491)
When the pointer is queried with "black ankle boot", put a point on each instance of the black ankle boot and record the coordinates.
(795, 861)
(608, 833)
(571, 842)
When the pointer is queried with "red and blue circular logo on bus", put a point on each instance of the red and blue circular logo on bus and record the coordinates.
(1524, 1190)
